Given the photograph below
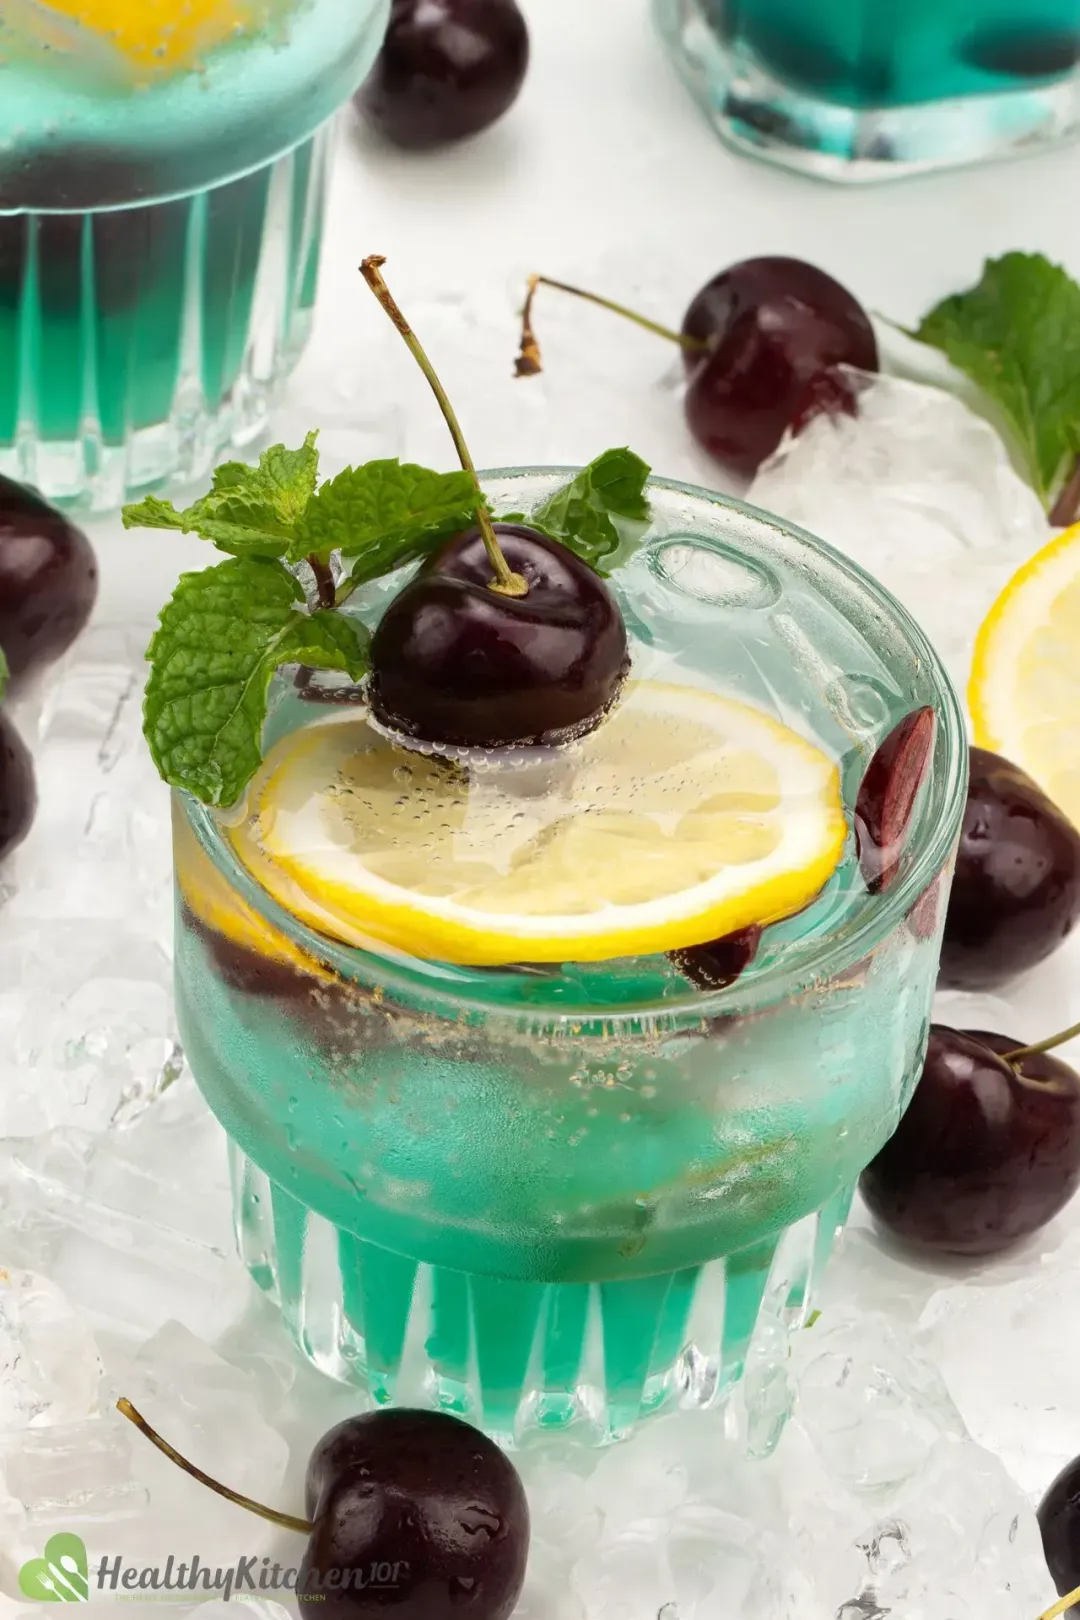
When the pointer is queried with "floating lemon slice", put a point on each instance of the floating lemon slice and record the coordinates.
(1024, 692)
(160, 33)
(683, 817)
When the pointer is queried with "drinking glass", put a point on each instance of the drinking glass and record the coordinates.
(163, 168)
(864, 89)
(569, 1197)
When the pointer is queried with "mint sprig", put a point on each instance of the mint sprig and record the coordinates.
(1017, 335)
(601, 510)
(383, 515)
(218, 643)
(226, 630)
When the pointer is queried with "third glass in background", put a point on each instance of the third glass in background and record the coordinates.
(860, 89)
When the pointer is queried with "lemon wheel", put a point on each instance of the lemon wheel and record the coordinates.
(1024, 693)
(684, 817)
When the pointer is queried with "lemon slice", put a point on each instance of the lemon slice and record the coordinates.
(1024, 693)
(162, 33)
(683, 817)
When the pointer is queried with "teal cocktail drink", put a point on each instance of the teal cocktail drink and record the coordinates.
(561, 1181)
(856, 89)
(162, 186)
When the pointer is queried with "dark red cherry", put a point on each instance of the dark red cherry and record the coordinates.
(772, 327)
(721, 963)
(986, 1153)
(18, 789)
(1016, 893)
(48, 579)
(422, 1513)
(453, 661)
(887, 795)
(1059, 1522)
(447, 69)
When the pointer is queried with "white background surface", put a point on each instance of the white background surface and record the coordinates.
(605, 172)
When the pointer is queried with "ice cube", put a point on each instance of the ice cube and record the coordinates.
(1006, 1352)
(134, 1225)
(99, 848)
(207, 1410)
(86, 1025)
(921, 493)
(76, 1478)
(876, 1501)
(872, 1408)
(49, 1364)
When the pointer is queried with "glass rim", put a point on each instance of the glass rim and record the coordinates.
(838, 953)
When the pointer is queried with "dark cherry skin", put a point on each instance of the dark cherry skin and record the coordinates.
(773, 326)
(455, 662)
(48, 579)
(1016, 893)
(985, 1155)
(427, 1501)
(888, 794)
(18, 788)
(1059, 1521)
(447, 69)
(719, 964)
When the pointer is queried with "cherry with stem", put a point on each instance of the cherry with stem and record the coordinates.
(763, 344)
(533, 656)
(506, 582)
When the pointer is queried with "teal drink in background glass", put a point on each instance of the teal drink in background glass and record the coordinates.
(860, 89)
(562, 1195)
(163, 170)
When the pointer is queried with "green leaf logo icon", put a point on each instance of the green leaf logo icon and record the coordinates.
(61, 1576)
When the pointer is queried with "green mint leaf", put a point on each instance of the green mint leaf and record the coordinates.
(601, 509)
(249, 511)
(218, 642)
(4, 672)
(385, 514)
(1017, 334)
(152, 513)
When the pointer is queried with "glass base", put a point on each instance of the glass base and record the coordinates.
(521, 1358)
(137, 343)
(759, 113)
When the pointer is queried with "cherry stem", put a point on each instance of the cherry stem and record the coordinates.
(1066, 508)
(1061, 1605)
(286, 1520)
(506, 581)
(1043, 1046)
(529, 363)
(325, 589)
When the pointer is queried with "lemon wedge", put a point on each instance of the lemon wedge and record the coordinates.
(683, 817)
(1024, 692)
(162, 33)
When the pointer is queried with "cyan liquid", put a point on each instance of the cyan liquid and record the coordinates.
(886, 53)
(116, 321)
